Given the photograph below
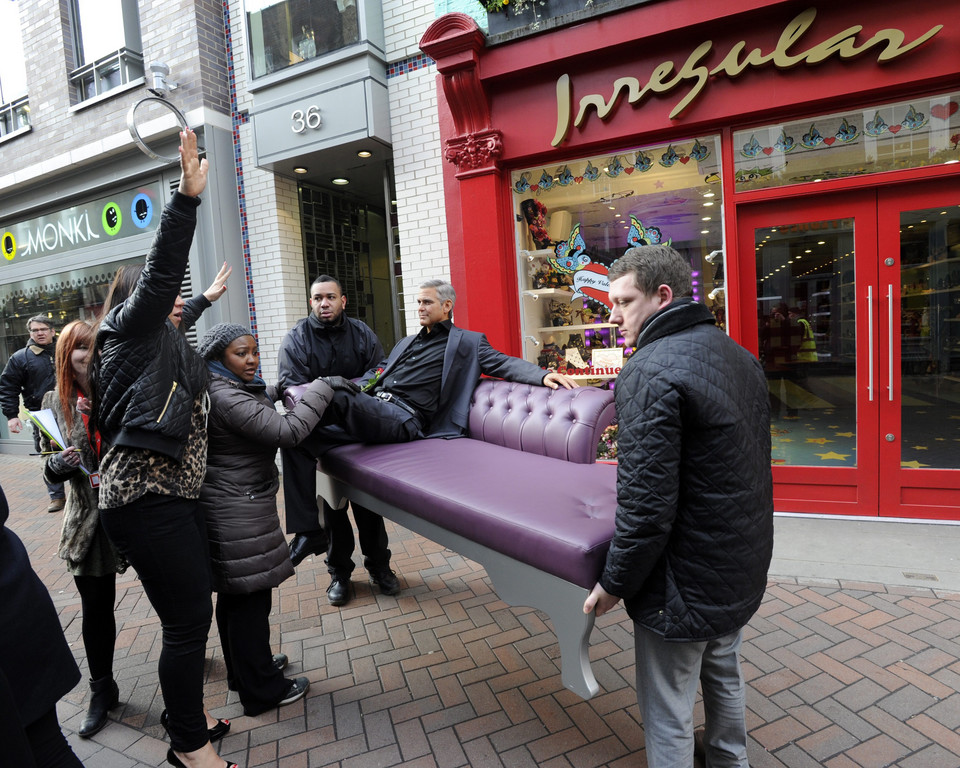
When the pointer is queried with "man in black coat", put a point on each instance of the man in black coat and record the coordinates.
(328, 343)
(30, 372)
(694, 522)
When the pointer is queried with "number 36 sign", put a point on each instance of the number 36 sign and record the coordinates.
(302, 120)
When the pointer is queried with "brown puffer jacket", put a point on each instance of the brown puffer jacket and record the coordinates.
(239, 493)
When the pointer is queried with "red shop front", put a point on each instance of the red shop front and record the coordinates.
(803, 156)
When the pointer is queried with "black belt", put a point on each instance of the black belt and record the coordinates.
(389, 397)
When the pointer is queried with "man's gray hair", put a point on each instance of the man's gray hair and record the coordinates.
(39, 320)
(445, 291)
(653, 266)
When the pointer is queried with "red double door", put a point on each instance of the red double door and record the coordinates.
(852, 302)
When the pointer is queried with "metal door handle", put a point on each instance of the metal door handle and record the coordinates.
(870, 341)
(890, 340)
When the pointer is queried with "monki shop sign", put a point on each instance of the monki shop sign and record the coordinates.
(788, 52)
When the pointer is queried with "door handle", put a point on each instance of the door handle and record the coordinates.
(890, 341)
(870, 341)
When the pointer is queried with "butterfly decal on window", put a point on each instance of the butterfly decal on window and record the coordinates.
(640, 235)
(571, 254)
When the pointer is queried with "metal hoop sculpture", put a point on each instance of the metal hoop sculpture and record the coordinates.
(135, 132)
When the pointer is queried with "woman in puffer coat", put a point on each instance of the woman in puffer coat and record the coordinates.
(239, 501)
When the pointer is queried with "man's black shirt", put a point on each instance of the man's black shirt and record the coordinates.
(415, 378)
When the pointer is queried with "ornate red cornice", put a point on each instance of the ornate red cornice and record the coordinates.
(475, 152)
(455, 41)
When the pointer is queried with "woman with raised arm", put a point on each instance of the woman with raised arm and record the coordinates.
(151, 406)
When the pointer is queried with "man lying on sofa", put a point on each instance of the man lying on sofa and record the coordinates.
(424, 387)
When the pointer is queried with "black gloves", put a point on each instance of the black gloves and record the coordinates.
(339, 382)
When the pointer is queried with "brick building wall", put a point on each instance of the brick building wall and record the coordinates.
(187, 35)
(417, 155)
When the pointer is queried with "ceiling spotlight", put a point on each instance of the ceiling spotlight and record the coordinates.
(364, 153)
(712, 256)
(715, 292)
(339, 181)
(299, 169)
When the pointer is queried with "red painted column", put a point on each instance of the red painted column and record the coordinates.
(481, 236)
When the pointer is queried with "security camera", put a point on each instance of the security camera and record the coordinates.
(159, 72)
(711, 257)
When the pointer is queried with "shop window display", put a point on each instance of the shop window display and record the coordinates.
(74, 295)
(912, 134)
(575, 220)
(291, 31)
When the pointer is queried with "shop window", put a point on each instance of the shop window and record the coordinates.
(108, 50)
(62, 297)
(909, 134)
(291, 31)
(14, 105)
(575, 219)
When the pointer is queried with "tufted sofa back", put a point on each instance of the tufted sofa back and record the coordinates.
(559, 423)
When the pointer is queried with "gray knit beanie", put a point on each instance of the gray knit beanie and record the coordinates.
(218, 338)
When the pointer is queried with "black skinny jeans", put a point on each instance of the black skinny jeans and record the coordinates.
(165, 539)
(98, 595)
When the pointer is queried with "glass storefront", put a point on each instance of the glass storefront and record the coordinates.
(929, 383)
(291, 31)
(574, 220)
(74, 295)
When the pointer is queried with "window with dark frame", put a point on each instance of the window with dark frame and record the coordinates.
(108, 52)
(14, 104)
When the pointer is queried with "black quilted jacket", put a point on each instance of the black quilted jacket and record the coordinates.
(147, 375)
(694, 526)
(29, 372)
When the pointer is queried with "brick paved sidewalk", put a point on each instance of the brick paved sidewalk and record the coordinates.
(445, 674)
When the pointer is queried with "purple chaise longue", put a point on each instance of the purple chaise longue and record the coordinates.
(521, 494)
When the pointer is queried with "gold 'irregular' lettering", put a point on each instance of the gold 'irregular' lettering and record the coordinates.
(663, 79)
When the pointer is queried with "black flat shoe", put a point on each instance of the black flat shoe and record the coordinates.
(176, 761)
(215, 734)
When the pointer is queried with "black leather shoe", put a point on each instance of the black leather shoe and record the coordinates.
(338, 593)
(386, 580)
(308, 543)
(221, 729)
(105, 695)
(178, 763)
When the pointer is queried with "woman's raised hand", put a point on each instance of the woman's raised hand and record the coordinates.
(193, 170)
(219, 285)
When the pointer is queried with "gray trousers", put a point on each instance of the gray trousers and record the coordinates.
(667, 677)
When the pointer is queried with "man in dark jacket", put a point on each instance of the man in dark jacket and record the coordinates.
(694, 523)
(328, 343)
(30, 372)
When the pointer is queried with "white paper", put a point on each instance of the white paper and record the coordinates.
(48, 425)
